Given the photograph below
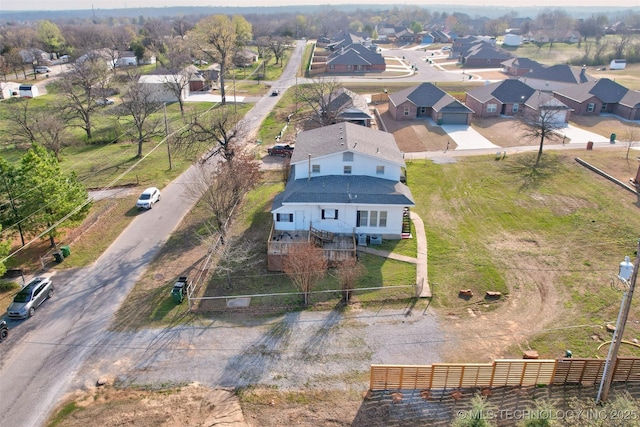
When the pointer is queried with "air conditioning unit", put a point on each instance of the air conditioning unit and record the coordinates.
(362, 239)
(375, 239)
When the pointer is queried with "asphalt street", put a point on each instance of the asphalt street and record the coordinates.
(43, 354)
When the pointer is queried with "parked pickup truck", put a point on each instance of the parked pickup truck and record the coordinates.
(281, 150)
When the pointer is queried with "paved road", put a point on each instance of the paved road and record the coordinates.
(43, 354)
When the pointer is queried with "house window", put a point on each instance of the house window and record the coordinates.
(332, 67)
(423, 110)
(604, 107)
(373, 219)
(362, 219)
(406, 111)
(347, 170)
(379, 170)
(329, 213)
(590, 107)
(515, 108)
(382, 222)
(284, 217)
(347, 156)
(315, 168)
(492, 108)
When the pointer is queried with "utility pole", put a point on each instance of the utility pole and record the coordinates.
(625, 307)
(166, 133)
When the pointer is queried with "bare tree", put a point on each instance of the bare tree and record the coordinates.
(218, 37)
(305, 265)
(349, 271)
(140, 102)
(220, 126)
(179, 74)
(598, 54)
(222, 186)
(542, 121)
(631, 137)
(81, 86)
(318, 96)
(278, 46)
(44, 127)
(621, 43)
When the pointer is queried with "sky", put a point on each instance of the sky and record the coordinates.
(116, 4)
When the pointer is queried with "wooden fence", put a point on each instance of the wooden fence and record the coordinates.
(500, 373)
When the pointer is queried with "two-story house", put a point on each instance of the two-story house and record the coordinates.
(345, 182)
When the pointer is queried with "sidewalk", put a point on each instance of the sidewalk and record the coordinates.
(422, 279)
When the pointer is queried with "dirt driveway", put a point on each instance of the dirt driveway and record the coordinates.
(419, 135)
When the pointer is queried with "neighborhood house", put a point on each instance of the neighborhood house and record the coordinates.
(345, 182)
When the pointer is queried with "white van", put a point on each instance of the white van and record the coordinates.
(28, 91)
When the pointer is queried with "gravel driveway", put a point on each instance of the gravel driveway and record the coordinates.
(324, 349)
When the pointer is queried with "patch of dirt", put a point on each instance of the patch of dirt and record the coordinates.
(532, 304)
(415, 135)
(192, 405)
(507, 132)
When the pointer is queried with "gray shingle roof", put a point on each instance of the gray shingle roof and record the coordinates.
(506, 91)
(606, 90)
(423, 95)
(355, 54)
(522, 63)
(559, 73)
(343, 137)
(345, 189)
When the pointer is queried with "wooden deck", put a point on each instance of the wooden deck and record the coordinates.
(336, 247)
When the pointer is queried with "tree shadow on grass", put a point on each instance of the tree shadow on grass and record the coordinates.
(532, 175)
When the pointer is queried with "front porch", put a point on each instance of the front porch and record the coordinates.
(337, 247)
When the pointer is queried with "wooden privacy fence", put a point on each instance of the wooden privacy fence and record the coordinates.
(500, 373)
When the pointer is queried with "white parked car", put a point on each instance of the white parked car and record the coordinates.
(105, 101)
(148, 198)
(41, 69)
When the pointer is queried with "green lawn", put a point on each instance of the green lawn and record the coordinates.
(497, 226)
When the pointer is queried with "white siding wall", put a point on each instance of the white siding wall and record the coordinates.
(361, 165)
(347, 217)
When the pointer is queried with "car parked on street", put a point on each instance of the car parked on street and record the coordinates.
(30, 297)
(282, 150)
(42, 69)
(104, 101)
(4, 330)
(148, 198)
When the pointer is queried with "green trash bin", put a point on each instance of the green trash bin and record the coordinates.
(66, 250)
(178, 292)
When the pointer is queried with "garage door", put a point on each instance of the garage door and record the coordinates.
(454, 119)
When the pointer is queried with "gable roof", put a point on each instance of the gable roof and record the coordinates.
(606, 90)
(429, 95)
(355, 54)
(423, 95)
(344, 189)
(522, 63)
(507, 92)
(542, 100)
(559, 73)
(485, 51)
(344, 137)
(348, 104)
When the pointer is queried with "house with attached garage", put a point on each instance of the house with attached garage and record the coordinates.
(601, 96)
(428, 100)
(345, 188)
(514, 98)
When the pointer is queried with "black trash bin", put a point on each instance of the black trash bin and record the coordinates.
(58, 256)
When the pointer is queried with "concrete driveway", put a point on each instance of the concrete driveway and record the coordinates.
(580, 136)
(465, 137)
